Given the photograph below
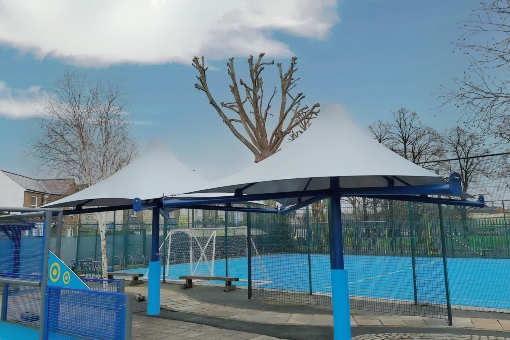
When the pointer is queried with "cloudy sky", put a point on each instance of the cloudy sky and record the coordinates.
(372, 56)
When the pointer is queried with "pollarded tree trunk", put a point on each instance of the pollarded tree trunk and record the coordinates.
(291, 120)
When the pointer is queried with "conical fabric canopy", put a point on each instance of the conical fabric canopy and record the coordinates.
(332, 147)
(154, 173)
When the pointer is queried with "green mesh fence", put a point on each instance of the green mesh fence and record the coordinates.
(394, 252)
(127, 246)
(391, 268)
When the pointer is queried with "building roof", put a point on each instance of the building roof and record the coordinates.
(54, 186)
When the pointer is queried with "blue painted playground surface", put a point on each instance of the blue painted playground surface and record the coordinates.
(10, 331)
(379, 277)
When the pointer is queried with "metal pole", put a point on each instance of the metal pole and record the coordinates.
(5, 297)
(126, 243)
(225, 243)
(413, 249)
(309, 247)
(248, 244)
(506, 228)
(95, 242)
(113, 241)
(78, 243)
(445, 267)
(44, 271)
(339, 281)
(165, 249)
(58, 244)
(153, 307)
(452, 243)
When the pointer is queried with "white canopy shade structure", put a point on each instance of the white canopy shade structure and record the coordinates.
(333, 158)
(154, 173)
(332, 147)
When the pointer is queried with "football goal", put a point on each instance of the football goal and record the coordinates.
(195, 251)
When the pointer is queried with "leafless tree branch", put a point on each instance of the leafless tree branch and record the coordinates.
(255, 119)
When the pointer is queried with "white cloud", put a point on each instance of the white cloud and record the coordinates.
(101, 33)
(20, 104)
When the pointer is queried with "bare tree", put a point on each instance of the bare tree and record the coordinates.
(482, 92)
(462, 145)
(251, 113)
(407, 136)
(84, 134)
(382, 133)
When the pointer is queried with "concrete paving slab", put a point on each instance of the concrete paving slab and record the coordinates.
(208, 321)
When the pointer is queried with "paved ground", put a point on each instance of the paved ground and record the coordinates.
(206, 312)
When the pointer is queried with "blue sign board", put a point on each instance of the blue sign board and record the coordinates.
(60, 275)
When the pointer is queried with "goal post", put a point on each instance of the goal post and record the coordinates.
(196, 251)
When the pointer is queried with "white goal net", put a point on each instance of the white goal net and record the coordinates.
(197, 251)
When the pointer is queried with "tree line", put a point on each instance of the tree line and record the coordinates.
(406, 135)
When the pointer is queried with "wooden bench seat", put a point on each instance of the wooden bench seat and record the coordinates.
(134, 277)
(228, 281)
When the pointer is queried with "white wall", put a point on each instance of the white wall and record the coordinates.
(11, 193)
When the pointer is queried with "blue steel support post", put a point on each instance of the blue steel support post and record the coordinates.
(309, 248)
(225, 243)
(153, 307)
(339, 283)
(44, 271)
(248, 244)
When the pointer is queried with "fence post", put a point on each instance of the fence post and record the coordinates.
(44, 279)
(95, 242)
(445, 267)
(126, 245)
(165, 249)
(413, 249)
(78, 242)
(309, 247)
(58, 243)
(113, 242)
(248, 244)
(506, 228)
(451, 239)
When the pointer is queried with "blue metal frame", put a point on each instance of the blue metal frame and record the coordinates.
(340, 295)
(153, 304)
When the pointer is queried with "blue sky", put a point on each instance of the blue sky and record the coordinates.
(372, 56)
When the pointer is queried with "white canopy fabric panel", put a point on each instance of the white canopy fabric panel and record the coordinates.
(154, 173)
(333, 146)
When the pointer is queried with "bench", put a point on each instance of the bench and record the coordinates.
(228, 281)
(134, 277)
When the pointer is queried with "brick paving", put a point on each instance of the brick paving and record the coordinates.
(150, 328)
(157, 328)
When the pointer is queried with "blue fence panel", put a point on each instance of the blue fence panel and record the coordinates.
(20, 251)
(85, 314)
